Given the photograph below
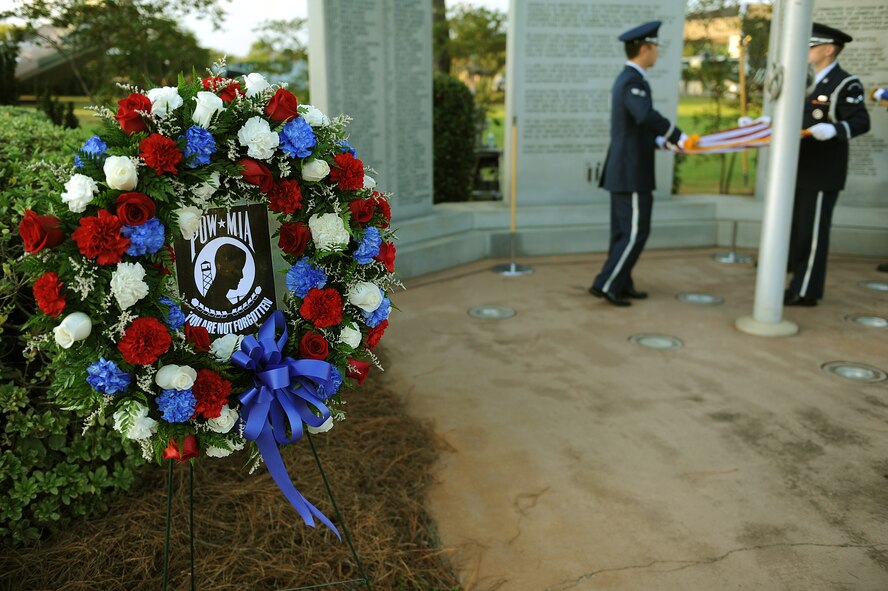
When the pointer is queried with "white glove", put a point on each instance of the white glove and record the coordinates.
(744, 121)
(661, 142)
(682, 140)
(823, 131)
(880, 94)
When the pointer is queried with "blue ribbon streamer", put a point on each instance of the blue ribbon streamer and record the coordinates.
(284, 392)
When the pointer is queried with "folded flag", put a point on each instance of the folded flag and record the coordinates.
(736, 139)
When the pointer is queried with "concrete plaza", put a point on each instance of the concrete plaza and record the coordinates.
(573, 458)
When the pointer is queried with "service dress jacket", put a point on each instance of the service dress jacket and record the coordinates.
(838, 99)
(635, 124)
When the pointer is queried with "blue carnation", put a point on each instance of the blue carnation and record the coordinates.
(298, 138)
(336, 379)
(346, 147)
(176, 406)
(106, 377)
(303, 276)
(369, 246)
(199, 144)
(378, 315)
(94, 146)
(175, 318)
(146, 238)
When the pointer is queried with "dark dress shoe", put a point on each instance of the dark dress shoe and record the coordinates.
(634, 294)
(610, 297)
(794, 299)
(883, 268)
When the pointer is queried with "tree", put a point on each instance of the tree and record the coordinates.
(477, 46)
(118, 41)
(8, 53)
(440, 37)
(281, 52)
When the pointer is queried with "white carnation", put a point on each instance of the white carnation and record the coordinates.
(127, 284)
(175, 377)
(206, 190)
(314, 116)
(369, 182)
(328, 231)
(220, 452)
(365, 295)
(142, 425)
(256, 83)
(120, 173)
(79, 190)
(257, 137)
(189, 221)
(224, 422)
(350, 336)
(164, 100)
(315, 170)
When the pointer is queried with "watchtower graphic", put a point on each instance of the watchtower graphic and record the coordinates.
(206, 274)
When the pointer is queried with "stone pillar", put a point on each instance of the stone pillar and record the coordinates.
(563, 59)
(372, 60)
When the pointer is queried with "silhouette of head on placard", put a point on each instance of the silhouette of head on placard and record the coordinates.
(229, 263)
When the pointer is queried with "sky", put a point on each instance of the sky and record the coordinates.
(242, 16)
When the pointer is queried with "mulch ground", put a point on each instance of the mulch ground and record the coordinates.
(248, 537)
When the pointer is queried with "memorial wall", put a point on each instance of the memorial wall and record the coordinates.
(563, 57)
(372, 60)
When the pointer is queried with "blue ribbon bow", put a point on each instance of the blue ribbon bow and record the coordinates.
(285, 391)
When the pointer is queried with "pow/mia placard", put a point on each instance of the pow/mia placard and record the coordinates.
(224, 272)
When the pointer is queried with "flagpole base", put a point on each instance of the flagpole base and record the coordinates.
(512, 270)
(750, 325)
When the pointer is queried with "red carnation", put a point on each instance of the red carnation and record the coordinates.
(211, 392)
(40, 231)
(282, 106)
(322, 307)
(358, 370)
(99, 238)
(348, 172)
(375, 334)
(257, 174)
(160, 153)
(313, 346)
(294, 238)
(285, 197)
(382, 208)
(361, 210)
(128, 115)
(144, 341)
(387, 256)
(134, 208)
(198, 336)
(48, 293)
(226, 88)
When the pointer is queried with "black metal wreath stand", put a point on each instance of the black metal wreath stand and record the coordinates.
(362, 582)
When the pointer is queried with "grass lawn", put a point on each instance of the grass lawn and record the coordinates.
(86, 118)
(698, 174)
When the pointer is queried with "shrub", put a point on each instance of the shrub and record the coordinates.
(454, 139)
(50, 471)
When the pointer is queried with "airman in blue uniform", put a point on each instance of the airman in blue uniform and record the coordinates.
(834, 113)
(637, 129)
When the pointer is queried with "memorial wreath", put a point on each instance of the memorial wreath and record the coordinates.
(154, 280)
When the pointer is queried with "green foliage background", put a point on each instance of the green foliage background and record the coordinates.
(454, 139)
(50, 470)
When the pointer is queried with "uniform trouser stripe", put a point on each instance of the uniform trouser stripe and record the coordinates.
(632, 237)
(814, 236)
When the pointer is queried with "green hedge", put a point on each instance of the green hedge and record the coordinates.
(454, 144)
(50, 470)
